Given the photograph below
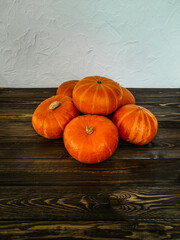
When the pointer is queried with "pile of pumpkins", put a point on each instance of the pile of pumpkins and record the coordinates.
(81, 113)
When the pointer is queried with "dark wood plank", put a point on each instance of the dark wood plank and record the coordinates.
(18, 139)
(54, 149)
(34, 100)
(90, 203)
(39, 180)
(90, 230)
(41, 161)
(163, 112)
(47, 92)
(14, 128)
(67, 171)
(164, 117)
(27, 92)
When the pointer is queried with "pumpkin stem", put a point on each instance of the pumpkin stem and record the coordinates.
(89, 130)
(54, 105)
(140, 107)
(99, 82)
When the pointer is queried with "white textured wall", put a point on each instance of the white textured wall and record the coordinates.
(46, 42)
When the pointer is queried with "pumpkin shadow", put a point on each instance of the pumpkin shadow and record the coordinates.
(129, 164)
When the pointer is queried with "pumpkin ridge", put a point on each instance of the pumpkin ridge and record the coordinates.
(116, 87)
(66, 97)
(110, 151)
(134, 125)
(80, 148)
(150, 114)
(67, 141)
(44, 130)
(145, 136)
(64, 112)
(66, 90)
(45, 119)
(80, 105)
(153, 125)
(77, 88)
(107, 99)
(124, 116)
(139, 138)
(149, 126)
(54, 114)
(68, 112)
(94, 97)
(90, 78)
(127, 97)
(117, 105)
(114, 136)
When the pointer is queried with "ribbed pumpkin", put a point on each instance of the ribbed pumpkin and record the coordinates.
(52, 115)
(128, 97)
(66, 88)
(136, 124)
(91, 138)
(97, 95)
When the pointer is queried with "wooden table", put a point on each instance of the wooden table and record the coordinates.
(46, 194)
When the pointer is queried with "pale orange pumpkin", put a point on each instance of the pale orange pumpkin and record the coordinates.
(128, 97)
(136, 124)
(51, 116)
(97, 95)
(91, 138)
(66, 88)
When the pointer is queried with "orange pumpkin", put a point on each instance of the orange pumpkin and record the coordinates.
(66, 88)
(136, 124)
(91, 138)
(52, 115)
(128, 97)
(97, 95)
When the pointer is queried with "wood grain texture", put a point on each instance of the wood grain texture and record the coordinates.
(21, 111)
(46, 92)
(46, 194)
(90, 202)
(64, 171)
(90, 230)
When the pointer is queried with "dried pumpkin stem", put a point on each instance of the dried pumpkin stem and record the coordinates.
(140, 107)
(89, 129)
(54, 105)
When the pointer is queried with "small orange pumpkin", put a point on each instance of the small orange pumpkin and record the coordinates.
(97, 95)
(91, 138)
(136, 124)
(66, 88)
(51, 116)
(128, 97)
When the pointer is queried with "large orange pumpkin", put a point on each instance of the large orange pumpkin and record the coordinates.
(52, 115)
(66, 88)
(97, 95)
(136, 124)
(91, 138)
(128, 97)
